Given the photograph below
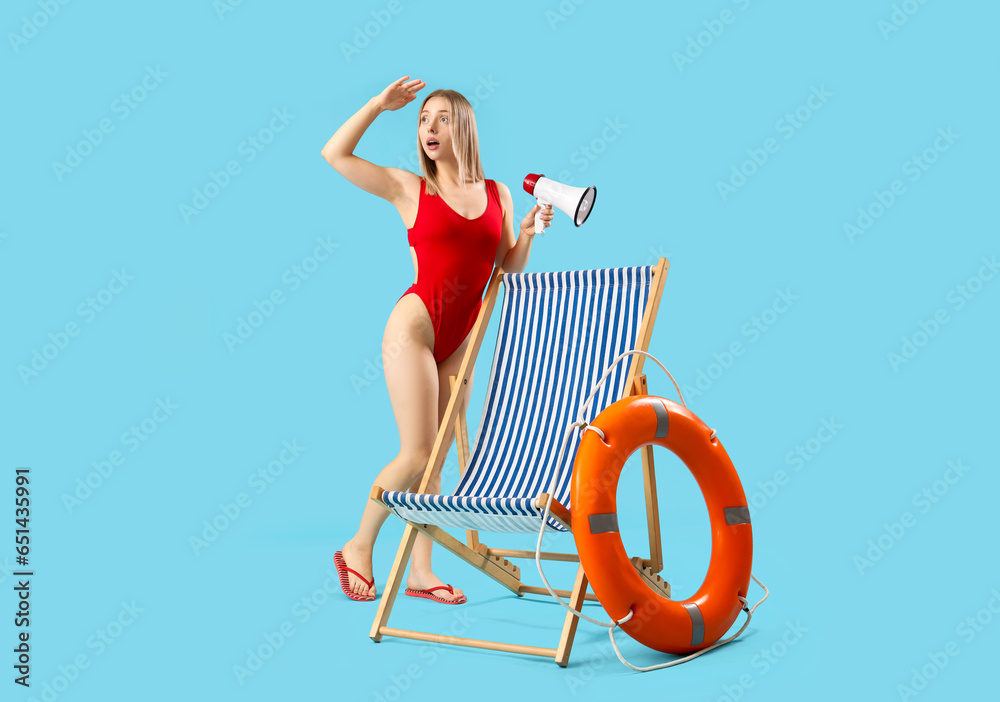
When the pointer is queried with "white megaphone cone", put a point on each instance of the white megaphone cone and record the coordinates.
(576, 202)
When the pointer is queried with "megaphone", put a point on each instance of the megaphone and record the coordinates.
(576, 202)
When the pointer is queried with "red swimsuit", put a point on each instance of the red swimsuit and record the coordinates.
(455, 258)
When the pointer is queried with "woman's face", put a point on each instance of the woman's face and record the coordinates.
(435, 128)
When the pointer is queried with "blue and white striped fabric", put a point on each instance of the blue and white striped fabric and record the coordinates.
(558, 333)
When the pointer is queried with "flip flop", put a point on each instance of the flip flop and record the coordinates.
(345, 584)
(429, 594)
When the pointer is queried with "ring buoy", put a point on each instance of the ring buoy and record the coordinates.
(660, 623)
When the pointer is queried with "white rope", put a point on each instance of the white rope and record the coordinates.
(585, 426)
(692, 656)
(545, 519)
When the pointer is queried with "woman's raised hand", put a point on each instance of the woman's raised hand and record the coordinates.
(399, 93)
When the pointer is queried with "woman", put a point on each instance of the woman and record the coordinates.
(455, 240)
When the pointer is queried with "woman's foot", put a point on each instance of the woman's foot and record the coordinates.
(425, 581)
(359, 559)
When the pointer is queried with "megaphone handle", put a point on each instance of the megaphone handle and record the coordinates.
(539, 227)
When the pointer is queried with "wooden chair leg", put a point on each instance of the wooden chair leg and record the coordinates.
(652, 510)
(462, 446)
(393, 583)
(649, 485)
(569, 626)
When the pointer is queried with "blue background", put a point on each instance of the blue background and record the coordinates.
(550, 78)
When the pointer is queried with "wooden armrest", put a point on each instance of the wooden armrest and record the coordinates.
(557, 510)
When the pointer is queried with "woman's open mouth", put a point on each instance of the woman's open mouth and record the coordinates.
(432, 144)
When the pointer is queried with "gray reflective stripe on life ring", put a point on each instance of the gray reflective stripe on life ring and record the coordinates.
(601, 523)
(697, 624)
(737, 515)
(662, 419)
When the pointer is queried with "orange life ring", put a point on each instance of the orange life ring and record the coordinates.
(660, 623)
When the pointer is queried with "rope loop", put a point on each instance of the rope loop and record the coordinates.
(586, 426)
(619, 622)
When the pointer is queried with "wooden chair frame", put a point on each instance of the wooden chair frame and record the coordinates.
(493, 562)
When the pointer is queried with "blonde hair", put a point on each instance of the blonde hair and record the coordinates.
(465, 140)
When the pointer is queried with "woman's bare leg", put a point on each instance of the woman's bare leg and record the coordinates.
(421, 577)
(412, 380)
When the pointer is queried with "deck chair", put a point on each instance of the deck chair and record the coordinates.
(558, 333)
